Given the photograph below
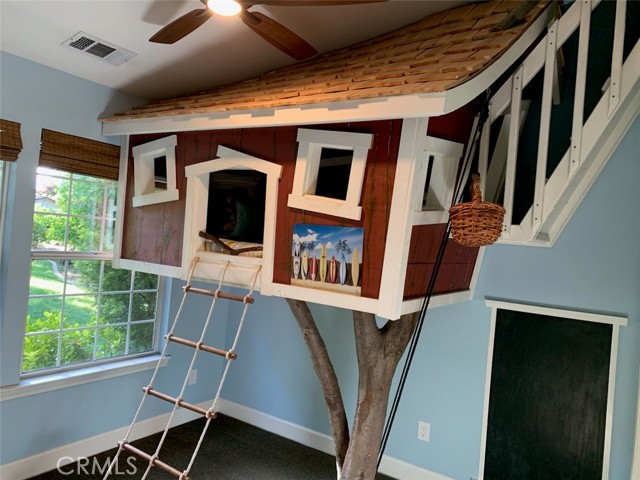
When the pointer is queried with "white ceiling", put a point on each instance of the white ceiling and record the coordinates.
(221, 51)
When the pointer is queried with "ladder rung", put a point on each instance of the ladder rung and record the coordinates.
(219, 294)
(202, 346)
(156, 462)
(181, 403)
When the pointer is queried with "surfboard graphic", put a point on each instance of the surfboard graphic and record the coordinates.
(333, 270)
(343, 271)
(355, 267)
(305, 265)
(296, 260)
(313, 267)
(323, 263)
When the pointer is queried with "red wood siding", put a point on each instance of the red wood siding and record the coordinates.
(455, 270)
(154, 233)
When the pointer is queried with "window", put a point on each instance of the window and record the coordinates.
(80, 309)
(435, 181)
(155, 172)
(330, 172)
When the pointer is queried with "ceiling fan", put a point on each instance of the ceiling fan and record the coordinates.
(273, 32)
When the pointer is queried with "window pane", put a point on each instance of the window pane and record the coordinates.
(47, 277)
(145, 281)
(112, 342)
(44, 314)
(51, 193)
(77, 346)
(108, 237)
(144, 306)
(84, 234)
(84, 276)
(80, 311)
(87, 198)
(48, 232)
(114, 308)
(115, 280)
(112, 200)
(40, 351)
(141, 337)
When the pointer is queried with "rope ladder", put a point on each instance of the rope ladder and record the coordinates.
(210, 413)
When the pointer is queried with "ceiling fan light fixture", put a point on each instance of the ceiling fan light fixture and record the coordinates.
(225, 8)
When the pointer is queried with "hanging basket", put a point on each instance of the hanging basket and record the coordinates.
(476, 223)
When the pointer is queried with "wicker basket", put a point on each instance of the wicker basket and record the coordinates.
(476, 223)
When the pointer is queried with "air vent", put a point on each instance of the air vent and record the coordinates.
(98, 49)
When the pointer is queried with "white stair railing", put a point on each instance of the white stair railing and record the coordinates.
(592, 142)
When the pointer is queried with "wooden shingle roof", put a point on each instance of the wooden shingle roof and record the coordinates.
(432, 55)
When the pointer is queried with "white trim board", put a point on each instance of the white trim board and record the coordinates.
(46, 461)
(614, 321)
(618, 320)
(72, 378)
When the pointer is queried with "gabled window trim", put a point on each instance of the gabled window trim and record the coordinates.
(143, 171)
(310, 145)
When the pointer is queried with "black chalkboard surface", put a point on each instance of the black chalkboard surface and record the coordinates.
(548, 399)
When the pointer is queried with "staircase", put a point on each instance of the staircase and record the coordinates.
(556, 195)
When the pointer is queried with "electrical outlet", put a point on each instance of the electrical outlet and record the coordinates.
(193, 376)
(424, 431)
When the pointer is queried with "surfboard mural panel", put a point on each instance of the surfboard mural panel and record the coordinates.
(331, 255)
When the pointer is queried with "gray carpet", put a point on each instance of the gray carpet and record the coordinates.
(232, 450)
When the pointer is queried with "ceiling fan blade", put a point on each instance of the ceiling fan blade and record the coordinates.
(278, 35)
(182, 26)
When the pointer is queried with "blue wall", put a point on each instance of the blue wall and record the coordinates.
(40, 97)
(594, 266)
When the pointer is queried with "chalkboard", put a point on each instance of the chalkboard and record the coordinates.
(548, 399)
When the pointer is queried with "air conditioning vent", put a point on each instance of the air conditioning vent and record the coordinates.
(98, 49)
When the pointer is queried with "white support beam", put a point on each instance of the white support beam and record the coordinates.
(512, 151)
(545, 123)
(581, 83)
(616, 58)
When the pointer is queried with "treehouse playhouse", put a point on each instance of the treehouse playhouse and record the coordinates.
(331, 180)
(333, 177)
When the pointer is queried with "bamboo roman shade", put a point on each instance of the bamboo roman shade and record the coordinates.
(10, 140)
(79, 155)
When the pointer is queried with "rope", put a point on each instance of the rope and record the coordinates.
(185, 383)
(457, 196)
(213, 408)
(155, 373)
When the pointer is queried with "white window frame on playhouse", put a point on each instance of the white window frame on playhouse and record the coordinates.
(310, 145)
(212, 265)
(144, 171)
(444, 157)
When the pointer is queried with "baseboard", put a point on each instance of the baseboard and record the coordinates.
(67, 454)
(389, 466)
(57, 457)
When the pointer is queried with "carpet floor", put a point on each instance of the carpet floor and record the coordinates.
(231, 450)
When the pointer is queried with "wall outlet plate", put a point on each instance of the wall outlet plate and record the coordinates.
(424, 431)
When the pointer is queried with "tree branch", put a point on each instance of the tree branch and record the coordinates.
(326, 374)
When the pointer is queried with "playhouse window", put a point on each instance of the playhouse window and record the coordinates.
(330, 172)
(439, 167)
(230, 215)
(155, 172)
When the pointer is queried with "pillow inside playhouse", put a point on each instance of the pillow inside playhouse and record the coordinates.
(235, 208)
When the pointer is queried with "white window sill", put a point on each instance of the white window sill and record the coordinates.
(71, 378)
